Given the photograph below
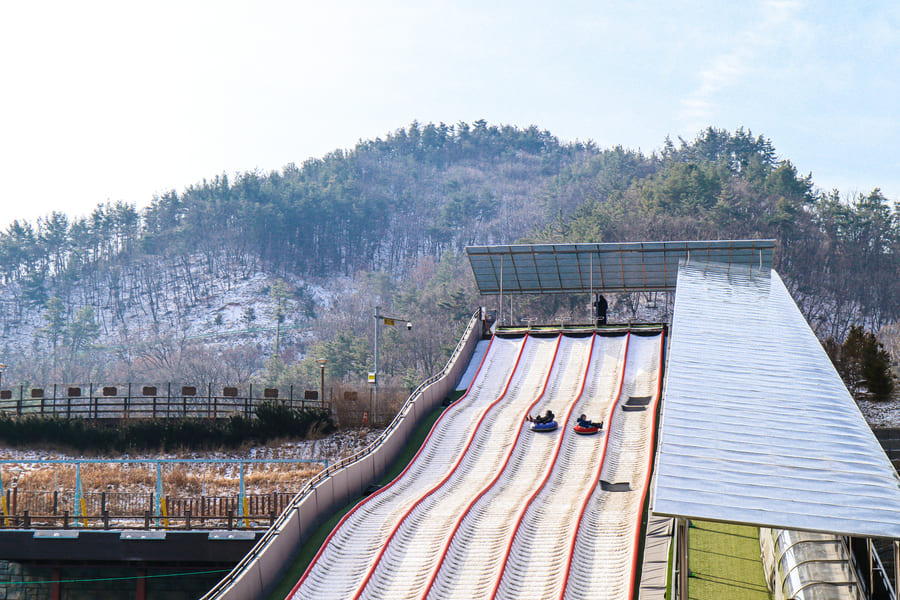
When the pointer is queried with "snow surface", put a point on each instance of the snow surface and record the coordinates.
(881, 414)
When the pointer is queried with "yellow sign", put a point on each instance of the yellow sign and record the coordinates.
(388, 321)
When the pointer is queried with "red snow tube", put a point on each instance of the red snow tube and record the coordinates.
(586, 430)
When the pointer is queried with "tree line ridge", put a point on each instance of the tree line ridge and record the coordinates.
(388, 219)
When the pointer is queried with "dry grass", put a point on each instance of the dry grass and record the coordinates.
(184, 479)
(217, 479)
(179, 479)
(33, 478)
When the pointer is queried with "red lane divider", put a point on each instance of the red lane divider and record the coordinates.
(543, 483)
(375, 494)
(637, 530)
(484, 490)
(596, 479)
(453, 468)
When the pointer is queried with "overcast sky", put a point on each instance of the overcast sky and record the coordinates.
(106, 101)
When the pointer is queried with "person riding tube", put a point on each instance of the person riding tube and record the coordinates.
(586, 423)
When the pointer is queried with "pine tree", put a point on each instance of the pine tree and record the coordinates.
(876, 368)
(862, 363)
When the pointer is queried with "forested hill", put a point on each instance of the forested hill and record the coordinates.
(381, 206)
(390, 217)
(840, 255)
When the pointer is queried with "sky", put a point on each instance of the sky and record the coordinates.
(106, 101)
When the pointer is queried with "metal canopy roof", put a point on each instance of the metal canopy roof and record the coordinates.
(756, 425)
(617, 267)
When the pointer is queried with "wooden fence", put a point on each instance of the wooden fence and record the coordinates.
(134, 401)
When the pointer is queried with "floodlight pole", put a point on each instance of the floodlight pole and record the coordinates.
(375, 390)
(500, 316)
(378, 319)
(322, 362)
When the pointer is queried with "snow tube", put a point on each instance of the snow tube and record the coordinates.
(544, 426)
(586, 430)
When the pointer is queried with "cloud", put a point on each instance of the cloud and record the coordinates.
(727, 70)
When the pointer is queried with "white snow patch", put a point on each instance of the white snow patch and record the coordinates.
(881, 414)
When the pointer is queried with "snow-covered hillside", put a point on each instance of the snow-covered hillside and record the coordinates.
(144, 314)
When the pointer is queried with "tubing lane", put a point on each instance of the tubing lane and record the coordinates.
(473, 553)
(654, 415)
(342, 560)
(537, 555)
(602, 557)
(401, 568)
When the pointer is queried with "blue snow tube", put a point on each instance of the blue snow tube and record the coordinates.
(544, 426)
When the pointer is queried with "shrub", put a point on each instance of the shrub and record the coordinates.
(273, 421)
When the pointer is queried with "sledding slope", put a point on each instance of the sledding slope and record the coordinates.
(486, 501)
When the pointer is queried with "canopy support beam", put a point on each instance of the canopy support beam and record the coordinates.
(682, 526)
(896, 568)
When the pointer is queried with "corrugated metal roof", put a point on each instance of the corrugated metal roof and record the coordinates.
(616, 267)
(757, 426)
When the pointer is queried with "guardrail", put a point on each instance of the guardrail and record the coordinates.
(338, 483)
(105, 510)
(155, 401)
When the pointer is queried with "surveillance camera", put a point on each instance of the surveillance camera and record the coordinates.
(408, 326)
